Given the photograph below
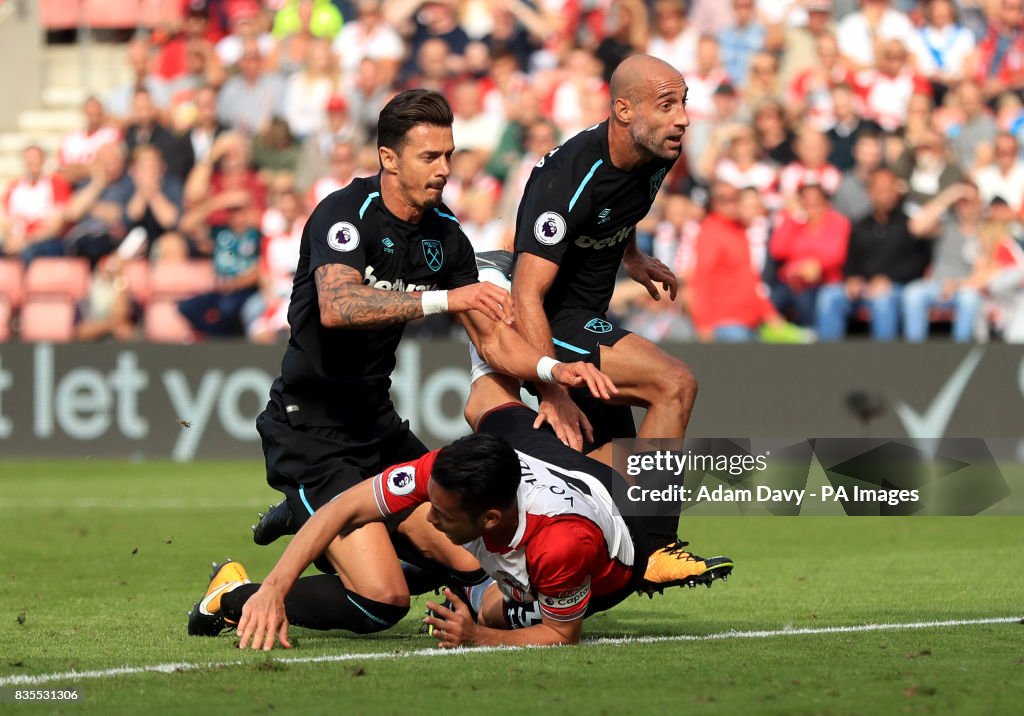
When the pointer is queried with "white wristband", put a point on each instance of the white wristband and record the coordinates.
(434, 302)
(544, 368)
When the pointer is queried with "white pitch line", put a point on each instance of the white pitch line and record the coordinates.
(36, 679)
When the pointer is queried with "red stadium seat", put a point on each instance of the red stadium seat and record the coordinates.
(60, 14)
(66, 14)
(57, 276)
(11, 279)
(165, 324)
(48, 318)
(136, 274)
(181, 280)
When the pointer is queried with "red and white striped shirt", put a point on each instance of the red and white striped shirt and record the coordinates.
(80, 147)
(795, 174)
(28, 204)
(570, 544)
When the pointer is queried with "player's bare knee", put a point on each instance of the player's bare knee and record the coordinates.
(390, 591)
(392, 595)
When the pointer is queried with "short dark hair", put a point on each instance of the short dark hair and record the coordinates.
(406, 110)
(482, 469)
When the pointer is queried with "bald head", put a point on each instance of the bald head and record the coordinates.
(638, 73)
(648, 112)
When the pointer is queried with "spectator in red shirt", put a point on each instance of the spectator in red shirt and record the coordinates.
(733, 156)
(998, 61)
(30, 220)
(727, 300)
(171, 57)
(887, 90)
(266, 318)
(810, 91)
(809, 248)
(812, 150)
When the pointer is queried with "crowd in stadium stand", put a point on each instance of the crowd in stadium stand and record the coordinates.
(849, 163)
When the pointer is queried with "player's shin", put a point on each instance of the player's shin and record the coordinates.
(322, 602)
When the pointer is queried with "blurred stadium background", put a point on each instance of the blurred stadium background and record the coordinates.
(158, 159)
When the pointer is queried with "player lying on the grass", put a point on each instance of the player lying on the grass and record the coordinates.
(538, 516)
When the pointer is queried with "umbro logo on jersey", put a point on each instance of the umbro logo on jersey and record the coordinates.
(656, 181)
(433, 253)
(598, 325)
(343, 236)
(603, 216)
(549, 228)
(389, 245)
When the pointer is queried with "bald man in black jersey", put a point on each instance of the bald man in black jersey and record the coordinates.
(576, 225)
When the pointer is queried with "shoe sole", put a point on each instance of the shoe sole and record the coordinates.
(273, 524)
(714, 572)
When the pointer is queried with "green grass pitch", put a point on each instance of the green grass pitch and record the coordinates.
(101, 561)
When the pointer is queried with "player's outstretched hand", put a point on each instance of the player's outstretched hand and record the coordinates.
(648, 271)
(559, 411)
(454, 626)
(263, 621)
(492, 301)
(576, 375)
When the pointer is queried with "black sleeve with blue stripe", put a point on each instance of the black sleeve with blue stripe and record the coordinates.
(553, 205)
(336, 229)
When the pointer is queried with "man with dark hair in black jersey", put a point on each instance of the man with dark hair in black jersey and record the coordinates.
(374, 255)
(576, 226)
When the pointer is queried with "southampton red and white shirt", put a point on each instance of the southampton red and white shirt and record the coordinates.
(570, 543)
(29, 204)
(80, 147)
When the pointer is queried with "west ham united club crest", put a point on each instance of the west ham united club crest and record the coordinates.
(433, 253)
(656, 181)
(598, 325)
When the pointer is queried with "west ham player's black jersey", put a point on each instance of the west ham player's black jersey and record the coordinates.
(340, 376)
(579, 211)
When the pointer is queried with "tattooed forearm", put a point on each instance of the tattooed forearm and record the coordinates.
(346, 303)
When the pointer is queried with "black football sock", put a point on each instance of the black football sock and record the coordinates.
(322, 602)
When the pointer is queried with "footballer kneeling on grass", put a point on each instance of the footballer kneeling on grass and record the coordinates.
(538, 516)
